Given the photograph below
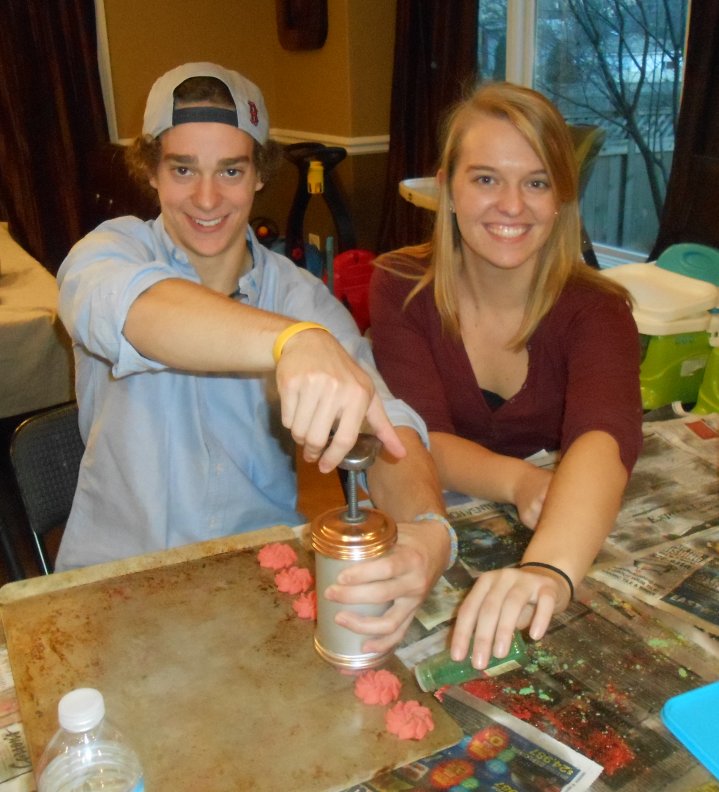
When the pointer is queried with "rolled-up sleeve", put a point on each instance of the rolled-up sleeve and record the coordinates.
(102, 276)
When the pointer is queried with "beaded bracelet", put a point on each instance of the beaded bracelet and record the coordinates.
(288, 332)
(562, 574)
(453, 542)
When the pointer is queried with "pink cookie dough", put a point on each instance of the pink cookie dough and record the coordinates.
(305, 606)
(294, 580)
(377, 687)
(409, 720)
(276, 555)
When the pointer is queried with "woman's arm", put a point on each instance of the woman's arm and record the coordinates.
(467, 467)
(580, 509)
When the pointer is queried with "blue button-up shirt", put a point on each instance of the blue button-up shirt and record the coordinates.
(175, 457)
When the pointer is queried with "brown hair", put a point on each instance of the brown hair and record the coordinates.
(559, 261)
(143, 154)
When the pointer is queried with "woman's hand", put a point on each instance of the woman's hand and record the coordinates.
(467, 467)
(402, 578)
(502, 601)
(529, 492)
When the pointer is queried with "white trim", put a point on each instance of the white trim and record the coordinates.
(519, 66)
(375, 144)
(609, 257)
(103, 64)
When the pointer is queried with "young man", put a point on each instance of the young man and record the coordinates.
(200, 356)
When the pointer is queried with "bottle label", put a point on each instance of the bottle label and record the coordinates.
(501, 668)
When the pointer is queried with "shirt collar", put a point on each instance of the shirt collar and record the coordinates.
(176, 255)
(250, 284)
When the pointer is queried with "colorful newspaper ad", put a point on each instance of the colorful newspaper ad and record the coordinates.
(498, 752)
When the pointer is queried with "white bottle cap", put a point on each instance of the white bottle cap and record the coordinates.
(81, 709)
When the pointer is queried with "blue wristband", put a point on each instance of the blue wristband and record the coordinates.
(453, 542)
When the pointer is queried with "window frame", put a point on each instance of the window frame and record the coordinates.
(519, 69)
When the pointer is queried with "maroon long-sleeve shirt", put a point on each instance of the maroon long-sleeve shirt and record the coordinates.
(583, 372)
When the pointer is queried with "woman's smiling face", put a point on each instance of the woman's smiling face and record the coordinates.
(504, 203)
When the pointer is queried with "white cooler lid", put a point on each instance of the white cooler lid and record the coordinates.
(663, 296)
(650, 324)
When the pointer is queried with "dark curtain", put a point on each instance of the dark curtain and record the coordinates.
(435, 63)
(51, 116)
(690, 209)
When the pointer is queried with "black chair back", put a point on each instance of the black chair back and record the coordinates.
(45, 454)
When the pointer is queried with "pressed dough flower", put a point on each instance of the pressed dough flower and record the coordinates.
(305, 606)
(409, 720)
(276, 555)
(377, 687)
(294, 580)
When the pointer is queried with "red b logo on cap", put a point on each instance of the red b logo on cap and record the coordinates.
(254, 120)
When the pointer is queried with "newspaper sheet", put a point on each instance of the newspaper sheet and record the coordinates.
(596, 683)
(673, 491)
(665, 548)
(699, 435)
(15, 767)
(599, 678)
(592, 694)
(498, 752)
(680, 577)
(671, 501)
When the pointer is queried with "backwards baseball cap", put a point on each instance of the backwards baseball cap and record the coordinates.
(249, 114)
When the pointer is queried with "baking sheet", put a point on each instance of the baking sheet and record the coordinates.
(205, 666)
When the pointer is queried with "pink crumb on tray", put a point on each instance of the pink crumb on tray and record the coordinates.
(377, 687)
(409, 720)
(305, 606)
(294, 580)
(276, 555)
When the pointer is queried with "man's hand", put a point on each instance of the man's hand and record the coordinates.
(322, 389)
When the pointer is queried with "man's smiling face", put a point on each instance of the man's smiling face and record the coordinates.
(206, 183)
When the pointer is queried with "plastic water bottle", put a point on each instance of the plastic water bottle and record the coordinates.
(87, 752)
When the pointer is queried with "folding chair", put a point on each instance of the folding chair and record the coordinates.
(45, 454)
(13, 564)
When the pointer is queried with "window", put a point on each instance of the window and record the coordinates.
(617, 64)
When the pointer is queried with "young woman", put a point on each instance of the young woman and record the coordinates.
(507, 344)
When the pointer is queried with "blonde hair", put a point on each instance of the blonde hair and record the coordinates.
(543, 127)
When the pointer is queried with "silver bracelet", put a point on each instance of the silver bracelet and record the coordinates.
(453, 542)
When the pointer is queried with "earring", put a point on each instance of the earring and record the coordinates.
(451, 207)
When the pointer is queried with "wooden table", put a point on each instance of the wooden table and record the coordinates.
(597, 681)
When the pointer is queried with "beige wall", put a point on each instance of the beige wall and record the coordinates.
(341, 91)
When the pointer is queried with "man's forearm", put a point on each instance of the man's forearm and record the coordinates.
(405, 488)
(187, 326)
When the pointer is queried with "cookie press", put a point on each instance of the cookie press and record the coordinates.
(341, 537)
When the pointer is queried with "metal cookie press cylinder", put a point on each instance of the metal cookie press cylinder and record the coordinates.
(341, 537)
